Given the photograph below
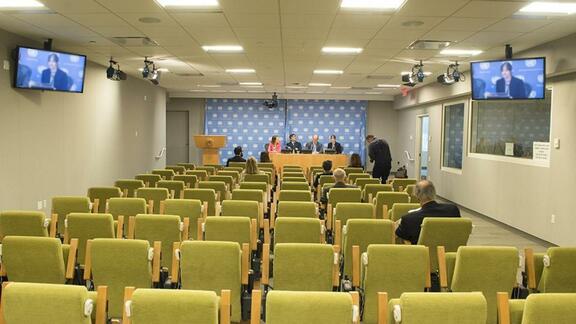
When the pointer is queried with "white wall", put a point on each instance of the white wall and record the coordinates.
(522, 196)
(195, 109)
(60, 144)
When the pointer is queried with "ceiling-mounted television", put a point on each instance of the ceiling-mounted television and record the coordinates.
(49, 70)
(509, 79)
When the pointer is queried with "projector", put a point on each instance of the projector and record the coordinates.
(271, 104)
(445, 79)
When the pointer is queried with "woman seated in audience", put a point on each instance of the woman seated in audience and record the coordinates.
(264, 157)
(355, 161)
(251, 167)
(274, 145)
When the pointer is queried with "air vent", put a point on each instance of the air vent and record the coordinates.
(380, 77)
(134, 41)
(422, 44)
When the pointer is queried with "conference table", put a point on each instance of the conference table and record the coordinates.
(307, 160)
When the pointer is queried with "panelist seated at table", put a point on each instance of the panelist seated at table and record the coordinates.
(274, 146)
(293, 145)
(315, 146)
(334, 146)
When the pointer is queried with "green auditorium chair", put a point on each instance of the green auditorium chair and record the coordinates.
(252, 195)
(290, 174)
(306, 209)
(246, 208)
(256, 178)
(294, 195)
(295, 179)
(557, 308)
(190, 211)
(41, 303)
(262, 186)
(292, 168)
(294, 186)
(337, 196)
(175, 187)
(207, 196)
(153, 197)
(371, 190)
(210, 170)
(178, 169)
(118, 263)
(323, 180)
(188, 166)
(487, 269)
(353, 176)
(166, 174)
(146, 306)
(62, 206)
(399, 210)
(129, 186)
(400, 184)
(394, 269)
(287, 307)
(38, 259)
(202, 175)
(149, 180)
(122, 208)
(350, 170)
(237, 229)
(86, 226)
(234, 174)
(410, 191)
(26, 223)
(216, 266)
(384, 201)
(190, 181)
(346, 211)
(554, 271)
(298, 230)
(312, 170)
(220, 187)
(239, 165)
(217, 167)
(99, 196)
(228, 180)
(362, 233)
(362, 182)
(233, 168)
(449, 232)
(434, 308)
(166, 229)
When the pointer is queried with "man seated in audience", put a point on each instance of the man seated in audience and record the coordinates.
(408, 227)
(340, 182)
(237, 156)
(326, 170)
(314, 146)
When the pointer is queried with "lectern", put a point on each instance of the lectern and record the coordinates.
(210, 145)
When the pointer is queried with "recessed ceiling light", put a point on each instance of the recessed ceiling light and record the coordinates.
(341, 50)
(328, 72)
(410, 72)
(16, 4)
(460, 52)
(315, 84)
(189, 3)
(237, 90)
(196, 90)
(388, 86)
(296, 87)
(240, 70)
(557, 8)
(250, 83)
(340, 88)
(209, 85)
(372, 4)
(223, 48)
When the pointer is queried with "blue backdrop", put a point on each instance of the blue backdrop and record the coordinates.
(247, 123)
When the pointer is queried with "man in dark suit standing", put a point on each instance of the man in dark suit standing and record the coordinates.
(340, 182)
(510, 85)
(409, 225)
(333, 145)
(293, 144)
(379, 153)
(237, 156)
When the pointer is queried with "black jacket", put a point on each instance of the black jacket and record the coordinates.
(516, 90)
(317, 178)
(379, 152)
(337, 147)
(324, 198)
(409, 228)
(296, 146)
(60, 79)
(236, 158)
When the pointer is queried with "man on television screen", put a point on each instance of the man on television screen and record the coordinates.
(53, 77)
(511, 86)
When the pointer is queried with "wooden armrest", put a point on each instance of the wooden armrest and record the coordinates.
(96, 205)
(428, 283)
(175, 263)
(338, 233)
(265, 264)
(125, 193)
(371, 200)
(205, 209)
(382, 308)
(131, 229)
(356, 304)
(503, 308)
(163, 204)
(530, 268)
(156, 262)
(329, 215)
(120, 227)
(267, 231)
(261, 215)
(225, 307)
(172, 195)
(355, 266)
(72, 253)
(273, 215)
(385, 214)
(101, 305)
(150, 206)
(66, 235)
(245, 263)
(185, 229)
(128, 292)
(53, 225)
(255, 308)
(199, 231)
(88, 261)
(253, 235)
(442, 267)
(218, 209)
(336, 268)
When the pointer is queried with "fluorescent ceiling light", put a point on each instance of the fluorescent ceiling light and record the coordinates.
(189, 3)
(558, 8)
(237, 91)
(250, 83)
(314, 84)
(373, 93)
(209, 85)
(340, 88)
(341, 50)
(372, 4)
(16, 4)
(328, 72)
(223, 48)
(296, 87)
(388, 86)
(459, 52)
(410, 72)
(240, 70)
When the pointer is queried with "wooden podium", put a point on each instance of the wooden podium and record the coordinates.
(210, 145)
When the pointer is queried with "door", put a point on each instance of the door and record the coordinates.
(177, 137)
(423, 141)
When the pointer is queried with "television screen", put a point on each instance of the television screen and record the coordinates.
(49, 70)
(509, 79)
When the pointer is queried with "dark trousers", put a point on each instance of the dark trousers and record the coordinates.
(381, 171)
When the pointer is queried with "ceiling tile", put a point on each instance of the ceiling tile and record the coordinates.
(427, 8)
(465, 24)
(98, 20)
(261, 21)
(449, 35)
(130, 6)
(202, 20)
(360, 21)
(250, 7)
(407, 23)
(489, 9)
(520, 25)
(75, 6)
(307, 6)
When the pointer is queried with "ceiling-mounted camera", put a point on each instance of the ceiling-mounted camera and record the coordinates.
(273, 103)
(452, 75)
(150, 72)
(417, 75)
(114, 73)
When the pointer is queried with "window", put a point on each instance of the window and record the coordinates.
(510, 128)
(453, 147)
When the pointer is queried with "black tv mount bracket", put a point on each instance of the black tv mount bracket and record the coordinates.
(48, 44)
(508, 52)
